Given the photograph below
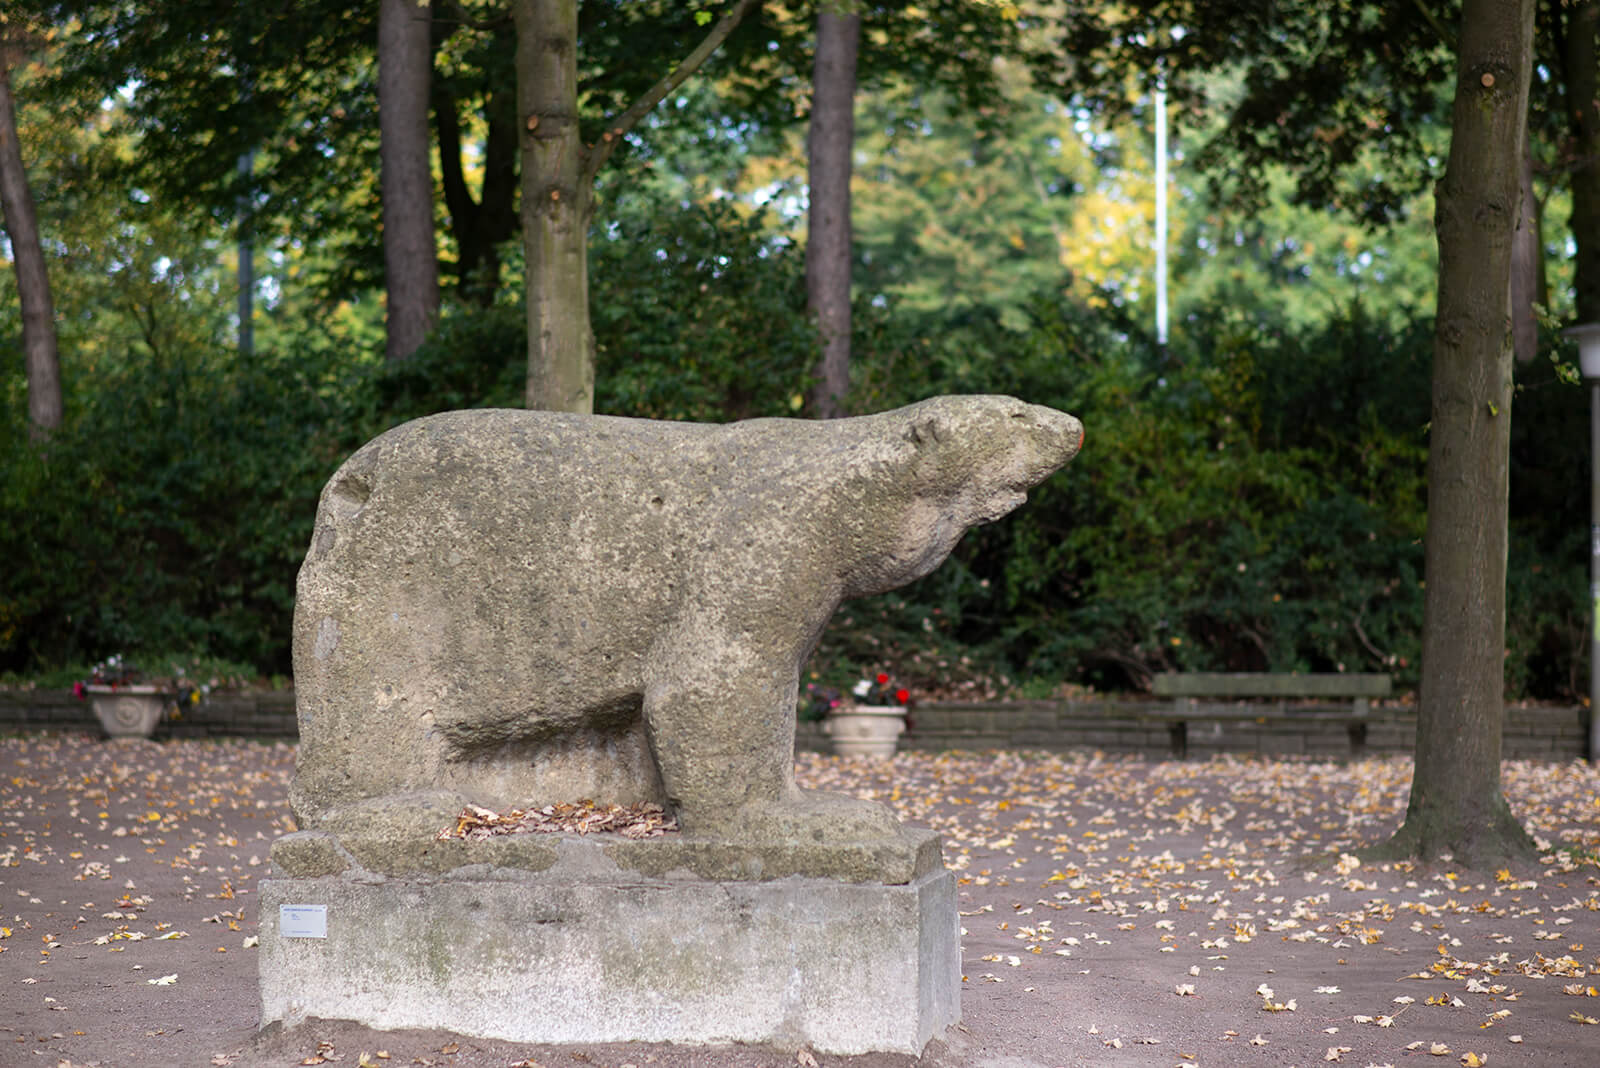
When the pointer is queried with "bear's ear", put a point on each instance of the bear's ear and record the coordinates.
(927, 431)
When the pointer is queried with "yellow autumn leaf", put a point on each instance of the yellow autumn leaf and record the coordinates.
(1472, 1060)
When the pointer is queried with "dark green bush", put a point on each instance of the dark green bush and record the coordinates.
(168, 515)
(1249, 502)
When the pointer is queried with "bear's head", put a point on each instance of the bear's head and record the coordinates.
(959, 462)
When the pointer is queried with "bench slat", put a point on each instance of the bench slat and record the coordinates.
(1264, 684)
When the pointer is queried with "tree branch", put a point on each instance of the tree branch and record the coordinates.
(598, 153)
(458, 13)
(1438, 27)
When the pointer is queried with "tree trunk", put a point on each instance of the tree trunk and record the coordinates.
(479, 226)
(1581, 67)
(557, 191)
(411, 268)
(555, 208)
(1456, 805)
(1527, 264)
(832, 139)
(33, 282)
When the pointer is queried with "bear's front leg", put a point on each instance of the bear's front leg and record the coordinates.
(720, 722)
(721, 727)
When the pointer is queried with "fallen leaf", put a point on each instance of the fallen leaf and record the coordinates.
(165, 980)
(1473, 1060)
(805, 1058)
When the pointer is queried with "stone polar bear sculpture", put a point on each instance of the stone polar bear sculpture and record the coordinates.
(512, 608)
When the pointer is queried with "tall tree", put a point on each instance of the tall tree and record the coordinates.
(558, 172)
(829, 150)
(1456, 805)
(1576, 26)
(27, 253)
(411, 268)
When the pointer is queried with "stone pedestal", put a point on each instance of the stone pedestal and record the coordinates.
(611, 956)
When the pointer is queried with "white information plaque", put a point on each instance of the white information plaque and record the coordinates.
(303, 921)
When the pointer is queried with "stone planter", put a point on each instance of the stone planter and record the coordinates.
(128, 711)
(865, 730)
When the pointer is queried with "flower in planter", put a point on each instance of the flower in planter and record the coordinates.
(115, 672)
(880, 690)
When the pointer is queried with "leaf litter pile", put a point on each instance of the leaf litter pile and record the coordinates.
(1115, 911)
(643, 820)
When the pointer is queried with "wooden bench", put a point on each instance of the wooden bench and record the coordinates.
(1189, 689)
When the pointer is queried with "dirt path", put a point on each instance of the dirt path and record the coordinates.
(1117, 912)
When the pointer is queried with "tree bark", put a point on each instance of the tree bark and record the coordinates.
(1456, 806)
(555, 208)
(411, 268)
(33, 280)
(1527, 264)
(828, 251)
(1581, 69)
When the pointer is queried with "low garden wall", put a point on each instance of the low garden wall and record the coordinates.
(1146, 726)
(1114, 726)
(268, 714)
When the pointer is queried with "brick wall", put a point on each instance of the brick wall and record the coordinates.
(1113, 726)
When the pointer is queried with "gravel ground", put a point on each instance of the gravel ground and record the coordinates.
(1116, 912)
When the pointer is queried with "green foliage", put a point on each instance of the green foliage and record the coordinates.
(699, 314)
(1255, 507)
(476, 358)
(169, 514)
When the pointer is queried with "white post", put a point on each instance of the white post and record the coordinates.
(1161, 211)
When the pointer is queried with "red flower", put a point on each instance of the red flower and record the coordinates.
(883, 680)
(902, 696)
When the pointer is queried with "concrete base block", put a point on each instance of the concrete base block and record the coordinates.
(840, 967)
